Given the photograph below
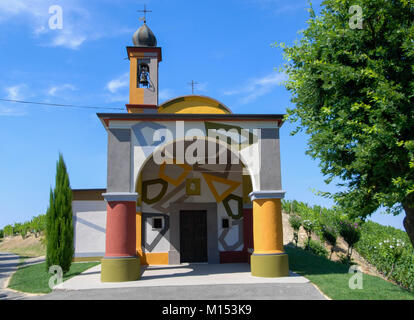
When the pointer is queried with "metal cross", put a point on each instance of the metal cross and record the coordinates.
(145, 13)
(192, 83)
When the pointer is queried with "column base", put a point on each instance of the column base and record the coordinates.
(269, 265)
(120, 269)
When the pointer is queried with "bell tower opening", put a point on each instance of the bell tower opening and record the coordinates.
(144, 79)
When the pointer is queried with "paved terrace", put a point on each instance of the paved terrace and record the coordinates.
(188, 281)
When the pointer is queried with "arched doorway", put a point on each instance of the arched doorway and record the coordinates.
(198, 212)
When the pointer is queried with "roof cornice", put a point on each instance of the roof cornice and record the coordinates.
(107, 117)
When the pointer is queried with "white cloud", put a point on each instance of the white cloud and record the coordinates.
(13, 7)
(13, 93)
(166, 94)
(68, 39)
(80, 23)
(118, 83)
(55, 89)
(36, 14)
(258, 87)
(11, 112)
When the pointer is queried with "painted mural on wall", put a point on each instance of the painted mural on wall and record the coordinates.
(163, 185)
(153, 138)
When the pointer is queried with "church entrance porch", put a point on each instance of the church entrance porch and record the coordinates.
(205, 211)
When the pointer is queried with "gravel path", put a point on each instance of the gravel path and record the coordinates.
(8, 265)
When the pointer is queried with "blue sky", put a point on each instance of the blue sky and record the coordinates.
(223, 45)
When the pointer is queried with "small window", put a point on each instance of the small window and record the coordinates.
(157, 223)
(225, 223)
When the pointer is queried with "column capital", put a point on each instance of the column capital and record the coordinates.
(120, 196)
(267, 194)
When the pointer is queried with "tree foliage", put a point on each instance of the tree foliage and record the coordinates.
(351, 232)
(35, 226)
(8, 230)
(59, 227)
(353, 91)
(295, 222)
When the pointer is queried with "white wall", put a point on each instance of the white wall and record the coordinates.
(89, 219)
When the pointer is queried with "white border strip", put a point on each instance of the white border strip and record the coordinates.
(267, 194)
(120, 196)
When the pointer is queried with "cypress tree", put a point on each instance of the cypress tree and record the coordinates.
(59, 227)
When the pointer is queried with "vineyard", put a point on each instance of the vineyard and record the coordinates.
(36, 226)
(386, 248)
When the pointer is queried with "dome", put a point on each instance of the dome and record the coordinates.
(144, 37)
(193, 104)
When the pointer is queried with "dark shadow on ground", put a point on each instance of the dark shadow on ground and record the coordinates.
(197, 270)
(8, 257)
(306, 263)
(4, 270)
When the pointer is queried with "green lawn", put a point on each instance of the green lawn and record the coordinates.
(332, 279)
(35, 278)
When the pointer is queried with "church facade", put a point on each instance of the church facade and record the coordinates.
(187, 181)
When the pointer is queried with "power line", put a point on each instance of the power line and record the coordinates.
(60, 105)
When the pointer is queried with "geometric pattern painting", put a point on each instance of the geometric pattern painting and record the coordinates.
(169, 183)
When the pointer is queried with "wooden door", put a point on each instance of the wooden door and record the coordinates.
(193, 236)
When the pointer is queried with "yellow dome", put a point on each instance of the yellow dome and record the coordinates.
(193, 104)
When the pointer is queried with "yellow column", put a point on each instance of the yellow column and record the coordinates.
(136, 95)
(267, 226)
(268, 258)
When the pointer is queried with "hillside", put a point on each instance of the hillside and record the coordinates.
(29, 247)
(340, 248)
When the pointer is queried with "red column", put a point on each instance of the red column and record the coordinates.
(120, 229)
(248, 232)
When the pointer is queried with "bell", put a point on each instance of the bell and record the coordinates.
(143, 79)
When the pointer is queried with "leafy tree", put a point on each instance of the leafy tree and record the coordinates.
(351, 232)
(353, 94)
(8, 230)
(1, 234)
(330, 236)
(309, 227)
(38, 224)
(295, 222)
(24, 229)
(17, 228)
(59, 227)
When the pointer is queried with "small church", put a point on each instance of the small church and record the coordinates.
(188, 181)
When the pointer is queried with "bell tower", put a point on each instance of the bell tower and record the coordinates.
(144, 57)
